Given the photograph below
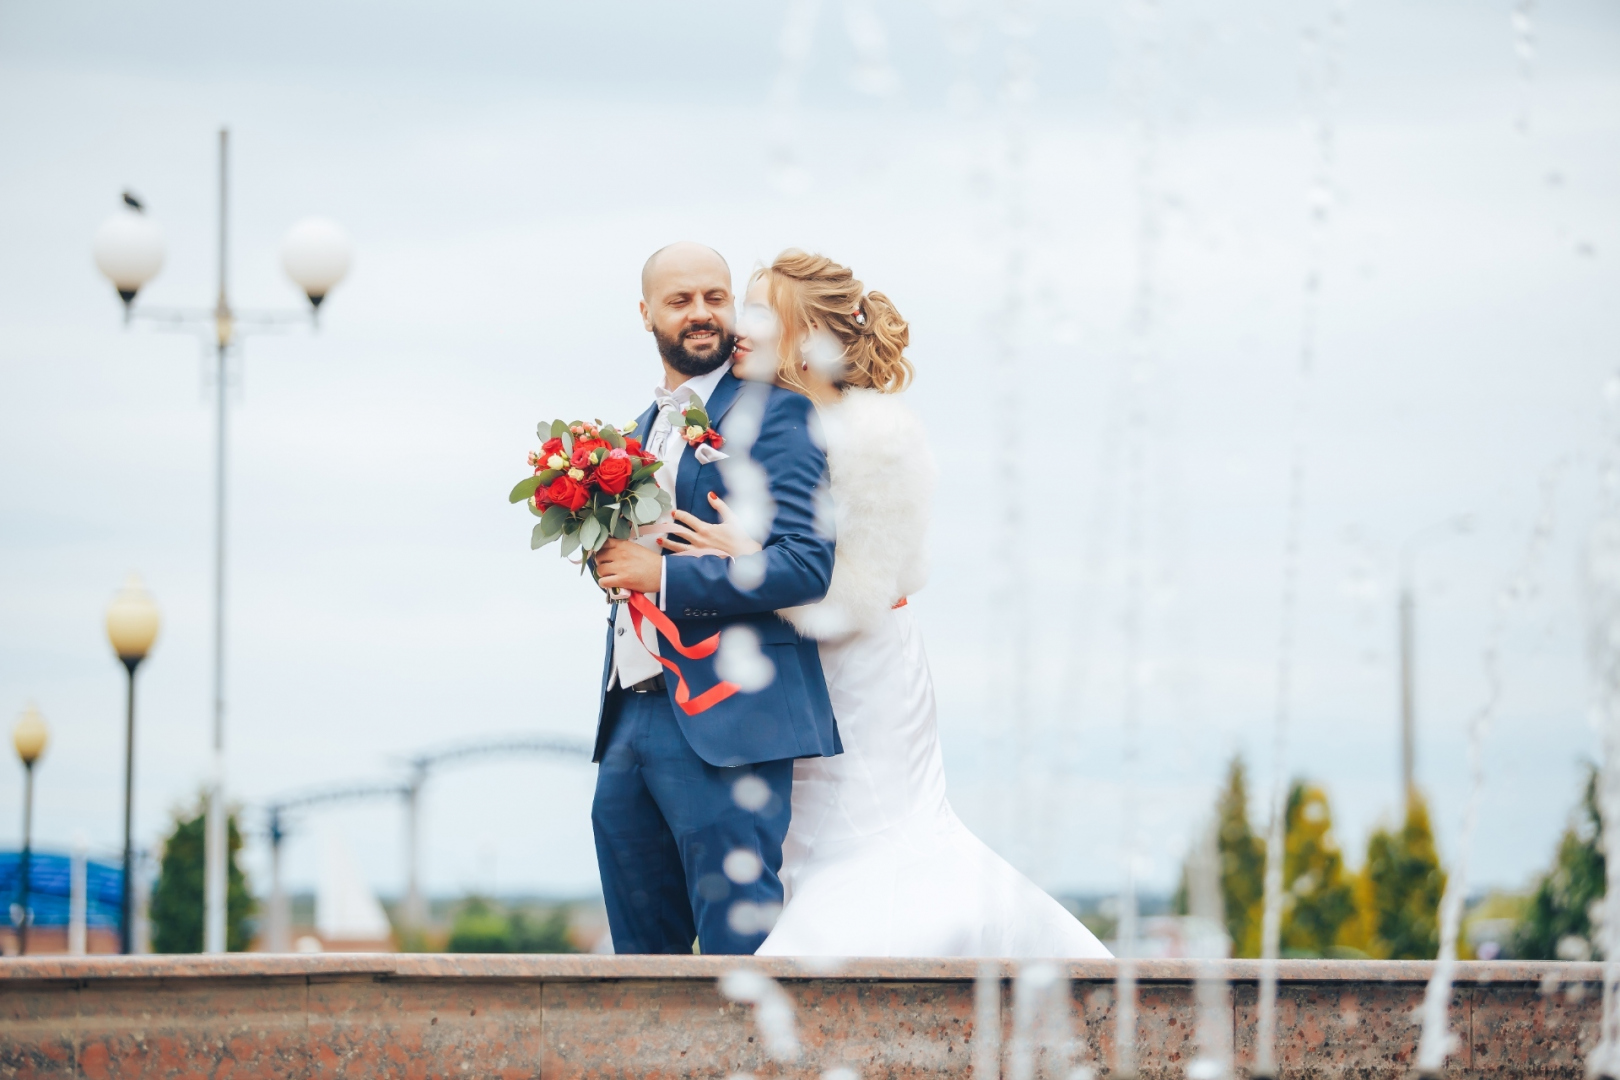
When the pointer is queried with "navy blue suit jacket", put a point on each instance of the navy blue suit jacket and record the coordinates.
(792, 717)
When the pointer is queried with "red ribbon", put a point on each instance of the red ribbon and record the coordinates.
(642, 608)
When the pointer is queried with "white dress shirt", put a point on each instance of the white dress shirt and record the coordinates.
(635, 659)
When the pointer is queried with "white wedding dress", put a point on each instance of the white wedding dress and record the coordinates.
(875, 862)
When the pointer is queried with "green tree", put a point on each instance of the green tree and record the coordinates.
(1401, 889)
(1561, 906)
(481, 927)
(1318, 900)
(177, 898)
(1243, 863)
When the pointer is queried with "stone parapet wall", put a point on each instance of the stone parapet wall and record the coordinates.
(254, 1016)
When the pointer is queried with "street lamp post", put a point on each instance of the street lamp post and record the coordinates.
(132, 626)
(29, 738)
(129, 251)
(1406, 620)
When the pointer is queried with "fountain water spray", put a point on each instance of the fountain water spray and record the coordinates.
(1603, 651)
(1017, 90)
(1437, 1040)
(1139, 364)
(1043, 1040)
(1210, 946)
(787, 172)
(773, 1010)
(1524, 50)
(1321, 76)
(987, 1022)
(1603, 578)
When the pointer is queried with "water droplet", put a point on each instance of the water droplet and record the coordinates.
(824, 354)
(743, 918)
(1572, 947)
(713, 887)
(750, 792)
(741, 661)
(744, 986)
(743, 866)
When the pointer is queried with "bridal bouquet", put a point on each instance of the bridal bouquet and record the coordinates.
(591, 482)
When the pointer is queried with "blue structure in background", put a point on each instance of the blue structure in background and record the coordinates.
(50, 889)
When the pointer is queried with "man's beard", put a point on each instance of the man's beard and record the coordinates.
(675, 353)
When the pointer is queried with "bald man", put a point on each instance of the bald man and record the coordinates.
(695, 786)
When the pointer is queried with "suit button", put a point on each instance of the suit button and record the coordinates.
(621, 631)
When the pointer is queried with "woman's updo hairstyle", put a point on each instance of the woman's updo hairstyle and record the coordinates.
(813, 291)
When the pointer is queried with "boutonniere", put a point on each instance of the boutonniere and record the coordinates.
(697, 431)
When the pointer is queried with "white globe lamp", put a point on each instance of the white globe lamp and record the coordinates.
(129, 250)
(316, 254)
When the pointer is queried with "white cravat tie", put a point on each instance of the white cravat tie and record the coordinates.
(635, 662)
(632, 664)
(671, 414)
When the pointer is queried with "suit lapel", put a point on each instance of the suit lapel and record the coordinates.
(644, 424)
(725, 392)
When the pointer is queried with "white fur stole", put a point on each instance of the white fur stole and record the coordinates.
(882, 477)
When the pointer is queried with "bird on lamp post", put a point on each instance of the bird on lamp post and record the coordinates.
(129, 250)
(132, 625)
(29, 738)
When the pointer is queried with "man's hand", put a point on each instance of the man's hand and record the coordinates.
(624, 564)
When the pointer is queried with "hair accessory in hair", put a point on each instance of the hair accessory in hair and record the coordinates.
(860, 317)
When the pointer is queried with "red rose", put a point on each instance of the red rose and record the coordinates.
(549, 447)
(566, 491)
(633, 447)
(582, 452)
(614, 473)
(712, 437)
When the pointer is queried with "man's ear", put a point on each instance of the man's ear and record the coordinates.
(646, 319)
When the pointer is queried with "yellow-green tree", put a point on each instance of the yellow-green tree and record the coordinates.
(1243, 863)
(1319, 899)
(1561, 908)
(1401, 888)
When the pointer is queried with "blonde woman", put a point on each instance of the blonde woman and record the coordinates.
(875, 862)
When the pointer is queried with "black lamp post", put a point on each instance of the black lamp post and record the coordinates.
(29, 738)
(132, 626)
(129, 250)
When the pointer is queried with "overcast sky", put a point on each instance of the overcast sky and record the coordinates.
(504, 169)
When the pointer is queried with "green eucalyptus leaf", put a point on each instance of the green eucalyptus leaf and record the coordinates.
(525, 489)
(570, 543)
(614, 439)
(568, 443)
(558, 429)
(590, 534)
(548, 475)
(554, 519)
(539, 538)
(647, 511)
